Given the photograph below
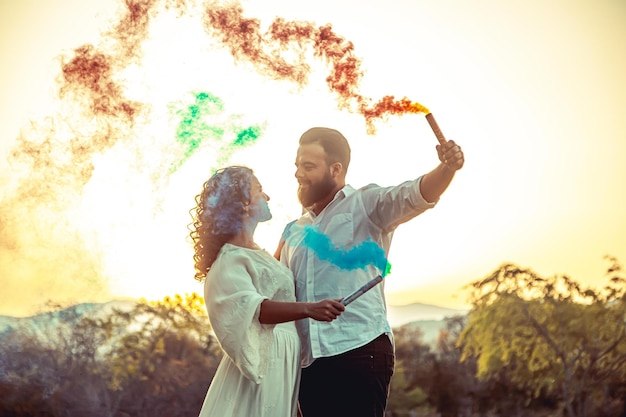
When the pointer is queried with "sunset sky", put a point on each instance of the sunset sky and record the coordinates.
(534, 92)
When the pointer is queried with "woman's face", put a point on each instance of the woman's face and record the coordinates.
(259, 210)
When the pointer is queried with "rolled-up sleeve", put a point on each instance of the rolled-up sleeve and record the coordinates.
(392, 206)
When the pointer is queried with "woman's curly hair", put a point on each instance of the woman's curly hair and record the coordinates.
(218, 215)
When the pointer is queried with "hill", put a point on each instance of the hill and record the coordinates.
(401, 315)
(429, 318)
(43, 321)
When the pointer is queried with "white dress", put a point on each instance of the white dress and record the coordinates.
(259, 374)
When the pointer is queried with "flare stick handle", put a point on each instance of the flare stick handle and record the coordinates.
(435, 127)
(365, 288)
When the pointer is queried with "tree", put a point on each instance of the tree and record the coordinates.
(549, 335)
(153, 359)
(166, 358)
(413, 359)
(454, 386)
(52, 367)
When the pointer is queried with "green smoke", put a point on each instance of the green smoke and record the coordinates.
(203, 122)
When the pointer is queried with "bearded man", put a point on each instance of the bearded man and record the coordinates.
(348, 363)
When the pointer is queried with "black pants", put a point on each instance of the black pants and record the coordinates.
(352, 384)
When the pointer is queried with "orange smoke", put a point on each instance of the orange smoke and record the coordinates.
(386, 106)
(266, 51)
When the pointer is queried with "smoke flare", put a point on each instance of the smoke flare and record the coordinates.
(267, 51)
(203, 123)
(358, 256)
(54, 159)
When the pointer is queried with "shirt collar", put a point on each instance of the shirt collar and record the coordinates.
(346, 191)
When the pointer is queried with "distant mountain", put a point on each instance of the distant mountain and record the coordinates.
(41, 322)
(430, 329)
(400, 315)
(430, 319)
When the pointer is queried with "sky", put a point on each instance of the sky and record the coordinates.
(99, 173)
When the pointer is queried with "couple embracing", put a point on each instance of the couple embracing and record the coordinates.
(290, 346)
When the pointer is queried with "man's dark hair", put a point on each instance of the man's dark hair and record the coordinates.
(334, 143)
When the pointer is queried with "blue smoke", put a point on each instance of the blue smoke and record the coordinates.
(358, 256)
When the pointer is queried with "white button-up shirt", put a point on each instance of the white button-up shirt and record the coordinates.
(351, 217)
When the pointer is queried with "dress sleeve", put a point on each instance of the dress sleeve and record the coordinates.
(233, 304)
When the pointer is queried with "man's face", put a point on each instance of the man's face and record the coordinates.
(313, 174)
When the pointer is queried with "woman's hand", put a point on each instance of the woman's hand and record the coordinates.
(325, 310)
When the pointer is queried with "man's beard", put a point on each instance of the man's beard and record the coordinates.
(316, 192)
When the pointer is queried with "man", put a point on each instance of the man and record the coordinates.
(348, 363)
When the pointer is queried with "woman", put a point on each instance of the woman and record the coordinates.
(250, 301)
